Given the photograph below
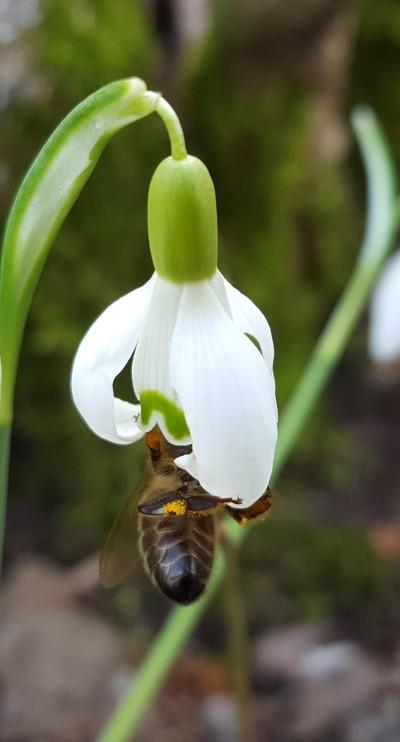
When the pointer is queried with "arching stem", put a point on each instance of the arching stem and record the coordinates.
(172, 124)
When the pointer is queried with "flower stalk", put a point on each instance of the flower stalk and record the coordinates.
(172, 124)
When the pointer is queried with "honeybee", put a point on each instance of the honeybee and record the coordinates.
(175, 521)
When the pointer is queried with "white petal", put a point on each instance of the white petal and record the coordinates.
(126, 416)
(248, 317)
(227, 394)
(218, 284)
(150, 370)
(102, 354)
(384, 327)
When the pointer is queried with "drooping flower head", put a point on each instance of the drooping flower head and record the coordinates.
(196, 370)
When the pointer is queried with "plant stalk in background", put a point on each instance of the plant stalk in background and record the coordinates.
(238, 640)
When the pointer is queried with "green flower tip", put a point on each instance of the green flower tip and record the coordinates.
(182, 220)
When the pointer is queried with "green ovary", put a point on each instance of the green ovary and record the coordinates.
(182, 220)
(175, 421)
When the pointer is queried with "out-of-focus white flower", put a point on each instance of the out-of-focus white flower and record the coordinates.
(384, 325)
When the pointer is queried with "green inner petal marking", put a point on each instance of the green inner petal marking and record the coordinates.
(173, 415)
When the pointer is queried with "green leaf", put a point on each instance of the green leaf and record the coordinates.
(182, 220)
(381, 184)
(45, 197)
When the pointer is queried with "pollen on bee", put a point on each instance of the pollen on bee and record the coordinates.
(177, 507)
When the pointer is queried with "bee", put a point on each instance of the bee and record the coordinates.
(176, 526)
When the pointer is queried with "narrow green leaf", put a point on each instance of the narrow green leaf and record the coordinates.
(381, 184)
(45, 197)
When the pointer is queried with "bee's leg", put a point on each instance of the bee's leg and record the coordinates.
(231, 500)
(203, 504)
(256, 512)
(168, 504)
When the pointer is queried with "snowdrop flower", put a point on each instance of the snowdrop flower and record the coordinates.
(196, 369)
(384, 327)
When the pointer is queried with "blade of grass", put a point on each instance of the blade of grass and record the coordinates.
(381, 224)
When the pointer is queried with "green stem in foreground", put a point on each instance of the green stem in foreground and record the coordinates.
(379, 239)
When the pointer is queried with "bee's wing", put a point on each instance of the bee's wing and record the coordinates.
(120, 551)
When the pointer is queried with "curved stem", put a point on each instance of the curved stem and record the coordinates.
(172, 124)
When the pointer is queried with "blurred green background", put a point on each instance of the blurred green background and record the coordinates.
(264, 91)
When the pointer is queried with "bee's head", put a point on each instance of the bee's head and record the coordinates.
(162, 450)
